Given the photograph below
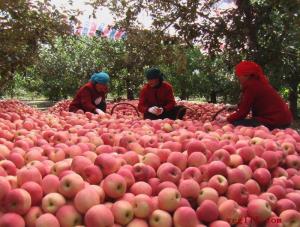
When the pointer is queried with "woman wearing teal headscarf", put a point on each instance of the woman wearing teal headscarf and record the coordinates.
(91, 96)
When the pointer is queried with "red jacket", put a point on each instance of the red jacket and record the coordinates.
(85, 98)
(161, 97)
(266, 105)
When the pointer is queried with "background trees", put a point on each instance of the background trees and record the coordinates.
(25, 27)
(195, 42)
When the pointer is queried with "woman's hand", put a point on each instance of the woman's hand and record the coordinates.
(100, 112)
(156, 110)
(221, 119)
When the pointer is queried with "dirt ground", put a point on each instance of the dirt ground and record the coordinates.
(296, 125)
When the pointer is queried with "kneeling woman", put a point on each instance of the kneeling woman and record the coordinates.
(91, 96)
(157, 100)
(267, 107)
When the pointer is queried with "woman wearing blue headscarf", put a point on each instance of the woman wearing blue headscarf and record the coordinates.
(91, 96)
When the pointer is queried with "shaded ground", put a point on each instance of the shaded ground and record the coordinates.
(296, 125)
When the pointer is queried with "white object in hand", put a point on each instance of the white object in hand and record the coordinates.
(100, 112)
(153, 110)
(221, 119)
(98, 100)
(159, 110)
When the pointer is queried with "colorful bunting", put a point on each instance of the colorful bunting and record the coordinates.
(92, 28)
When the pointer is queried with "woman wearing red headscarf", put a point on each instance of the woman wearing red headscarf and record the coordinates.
(258, 96)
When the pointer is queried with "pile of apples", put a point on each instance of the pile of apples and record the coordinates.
(81, 169)
(60, 106)
(195, 111)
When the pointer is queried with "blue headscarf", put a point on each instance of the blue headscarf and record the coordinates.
(100, 78)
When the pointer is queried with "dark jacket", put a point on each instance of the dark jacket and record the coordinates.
(85, 99)
(161, 96)
(265, 103)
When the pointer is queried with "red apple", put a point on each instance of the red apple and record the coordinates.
(122, 211)
(35, 191)
(230, 211)
(142, 206)
(141, 188)
(290, 218)
(29, 174)
(219, 183)
(207, 193)
(216, 168)
(46, 220)
(52, 202)
(247, 153)
(160, 218)
(92, 174)
(259, 210)
(70, 184)
(114, 185)
(178, 159)
(189, 189)
(185, 216)
(152, 160)
(253, 187)
(11, 220)
(284, 204)
(50, 183)
(196, 159)
(107, 163)
(82, 202)
(169, 199)
(5, 187)
(192, 173)
(262, 176)
(18, 201)
(67, 215)
(278, 190)
(239, 193)
(169, 172)
(137, 222)
(207, 211)
(32, 215)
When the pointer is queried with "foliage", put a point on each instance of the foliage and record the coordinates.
(264, 31)
(25, 26)
(196, 44)
(69, 63)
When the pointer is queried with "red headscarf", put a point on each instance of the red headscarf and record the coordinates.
(246, 68)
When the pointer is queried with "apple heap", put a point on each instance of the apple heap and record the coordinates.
(79, 169)
(204, 111)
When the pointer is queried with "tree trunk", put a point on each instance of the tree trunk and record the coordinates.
(183, 94)
(130, 95)
(129, 90)
(213, 97)
(293, 98)
(246, 7)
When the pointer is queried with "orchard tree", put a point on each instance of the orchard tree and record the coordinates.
(260, 30)
(25, 27)
(68, 64)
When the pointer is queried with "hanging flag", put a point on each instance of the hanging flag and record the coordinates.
(93, 28)
(78, 28)
(124, 35)
(85, 29)
(112, 33)
(118, 34)
(100, 29)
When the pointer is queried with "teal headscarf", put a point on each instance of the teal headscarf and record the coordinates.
(100, 78)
